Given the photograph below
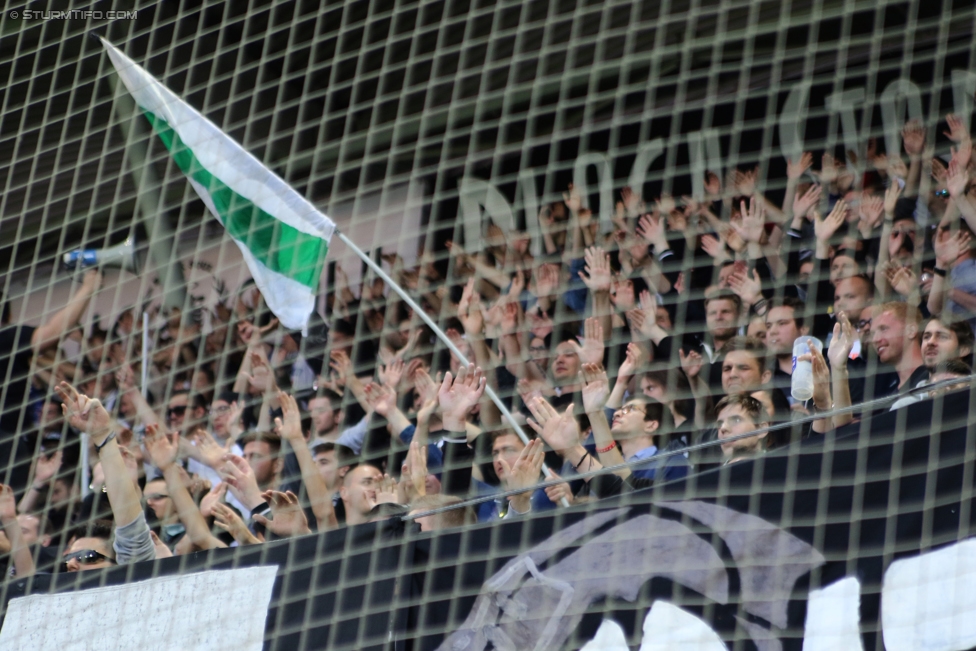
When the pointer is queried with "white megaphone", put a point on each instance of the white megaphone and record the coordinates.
(121, 255)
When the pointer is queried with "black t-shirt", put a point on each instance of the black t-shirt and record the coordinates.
(15, 363)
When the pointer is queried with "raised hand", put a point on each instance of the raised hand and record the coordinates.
(751, 221)
(510, 317)
(632, 361)
(239, 476)
(8, 505)
(235, 426)
(940, 173)
(948, 249)
(163, 452)
(957, 129)
(524, 473)
(287, 516)
(125, 378)
(828, 169)
(802, 204)
(469, 310)
(715, 247)
(821, 379)
(691, 363)
(261, 377)
(748, 288)
(458, 396)
(958, 179)
(892, 194)
(825, 228)
(227, 519)
(597, 272)
(289, 426)
(651, 228)
(590, 346)
(207, 451)
(251, 334)
(546, 220)
(902, 279)
(46, 467)
(963, 153)
(632, 201)
(870, 214)
(897, 167)
(745, 182)
(387, 491)
(215, 495)
(644, 320)
(341, 364)
(713, 184)
(795, 170)
(596, 387)
(842, 343)
(913, 137)
(546, 280)
(572, 198)
(413, 473)
(391, 373)
(529, 390)
(84, 413)
(424, 385)
(560, 431)
(664, 204)
(382, 399)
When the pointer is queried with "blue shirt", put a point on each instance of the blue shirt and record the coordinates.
(674, 467)
(493, 510)
(435, 456)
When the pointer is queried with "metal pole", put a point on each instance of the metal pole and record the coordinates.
(85, 473)
(443, 337)
(145, 354)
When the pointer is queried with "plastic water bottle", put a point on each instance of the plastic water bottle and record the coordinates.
(801, 385)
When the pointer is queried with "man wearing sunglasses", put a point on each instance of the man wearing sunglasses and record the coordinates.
(91, 548)
(181, 416)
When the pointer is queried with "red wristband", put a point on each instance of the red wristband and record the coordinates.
(606, 449)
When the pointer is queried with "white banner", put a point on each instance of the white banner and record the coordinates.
(215, 610)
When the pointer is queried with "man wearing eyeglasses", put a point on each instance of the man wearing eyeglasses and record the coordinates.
(635, 427)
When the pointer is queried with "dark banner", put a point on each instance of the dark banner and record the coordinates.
(844, 541)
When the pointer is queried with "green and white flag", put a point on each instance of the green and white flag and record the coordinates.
(283, 237)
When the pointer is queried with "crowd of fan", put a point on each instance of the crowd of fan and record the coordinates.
(673, 328)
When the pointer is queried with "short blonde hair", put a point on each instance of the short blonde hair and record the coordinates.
(902, 311)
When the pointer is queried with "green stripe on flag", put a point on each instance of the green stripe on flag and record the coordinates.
(280, 247)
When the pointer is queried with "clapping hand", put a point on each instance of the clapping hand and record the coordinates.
(596, 275)
(458, 396)
(287, 517)
(590, 346)
(596, 387)
(560, 431)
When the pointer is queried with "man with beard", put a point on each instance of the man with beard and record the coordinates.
(894, 337)
(944, 340)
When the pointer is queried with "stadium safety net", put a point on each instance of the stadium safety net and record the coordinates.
(662, 335)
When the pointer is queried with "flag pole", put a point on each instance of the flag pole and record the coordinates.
(447, 342)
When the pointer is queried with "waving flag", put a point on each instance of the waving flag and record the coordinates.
(283, 237)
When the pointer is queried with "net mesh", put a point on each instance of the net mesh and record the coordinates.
(499, 142)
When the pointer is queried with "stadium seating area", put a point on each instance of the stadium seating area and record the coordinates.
(674, 328)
